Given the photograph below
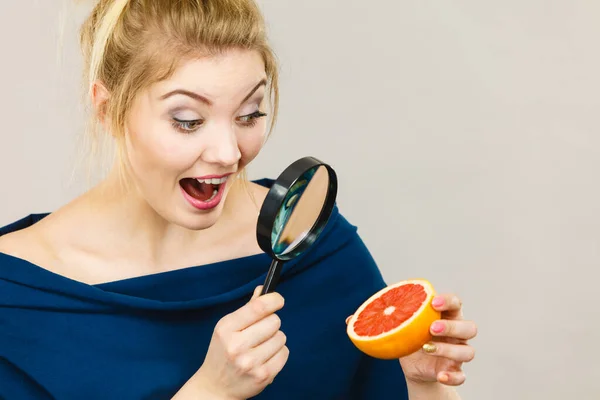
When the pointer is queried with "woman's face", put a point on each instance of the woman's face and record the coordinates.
(188, 136)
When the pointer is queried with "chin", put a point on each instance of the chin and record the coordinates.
(197, 220)
(195, 223)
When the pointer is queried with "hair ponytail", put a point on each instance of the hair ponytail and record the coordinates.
(102, 35)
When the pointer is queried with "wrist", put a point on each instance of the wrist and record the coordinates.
(206, 388)
(430, 391)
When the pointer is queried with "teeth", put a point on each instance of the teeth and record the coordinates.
(213, 195)
(213, 181)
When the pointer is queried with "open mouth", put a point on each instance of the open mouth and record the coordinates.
(202, 189)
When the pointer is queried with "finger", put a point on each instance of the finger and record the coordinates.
(348, 319)
(455, 352)
(448, 303)
(277, 362)
(451, 378)
(257, 292)
(252, 312)
(261, 331)
(267, 350)
(456, 329)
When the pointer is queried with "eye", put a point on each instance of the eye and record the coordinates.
(250, 119)
(187, 126)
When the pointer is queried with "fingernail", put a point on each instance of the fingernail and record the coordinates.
(444, 378)
(438, 302)
(459, 304)
(438, 327)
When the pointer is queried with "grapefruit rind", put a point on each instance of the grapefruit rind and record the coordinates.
(408, 337)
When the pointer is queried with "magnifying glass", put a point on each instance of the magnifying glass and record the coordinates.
(294, 213)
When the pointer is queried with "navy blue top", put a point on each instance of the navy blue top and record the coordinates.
(143, 338)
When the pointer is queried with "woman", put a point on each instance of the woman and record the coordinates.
(142, 287)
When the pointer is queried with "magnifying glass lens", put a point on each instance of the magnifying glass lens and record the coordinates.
(295, 212)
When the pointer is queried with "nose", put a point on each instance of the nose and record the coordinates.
(222, 147)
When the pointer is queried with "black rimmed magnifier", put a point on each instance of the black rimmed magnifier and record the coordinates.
(294, 213)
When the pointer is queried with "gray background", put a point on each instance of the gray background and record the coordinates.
(465, 135)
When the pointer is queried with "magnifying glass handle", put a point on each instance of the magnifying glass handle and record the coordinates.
(272, 277)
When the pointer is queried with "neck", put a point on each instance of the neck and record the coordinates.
(128, 227)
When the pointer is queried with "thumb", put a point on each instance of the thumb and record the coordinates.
(348, 319)
(257, 292)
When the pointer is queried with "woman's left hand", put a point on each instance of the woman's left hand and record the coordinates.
(442, 359)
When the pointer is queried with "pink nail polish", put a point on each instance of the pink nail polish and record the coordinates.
(438, 302)
(437, 327)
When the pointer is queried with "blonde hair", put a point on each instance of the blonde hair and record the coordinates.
(130, 44)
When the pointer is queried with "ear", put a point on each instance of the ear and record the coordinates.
(100, 96)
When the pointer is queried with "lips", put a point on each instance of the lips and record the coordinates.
(202, 189)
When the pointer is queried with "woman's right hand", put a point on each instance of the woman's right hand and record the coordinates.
(247, 350)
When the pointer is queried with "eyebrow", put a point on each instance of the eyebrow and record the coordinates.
(205, 100)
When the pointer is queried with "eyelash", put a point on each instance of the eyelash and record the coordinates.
(193, 125)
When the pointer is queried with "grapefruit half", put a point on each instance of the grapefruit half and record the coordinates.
(395, 321)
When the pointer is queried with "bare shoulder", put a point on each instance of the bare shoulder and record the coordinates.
(8, 242)
(45, 245)
(241, 231)
(248, 203)
(27, 244)
(259, 193)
